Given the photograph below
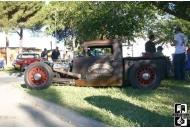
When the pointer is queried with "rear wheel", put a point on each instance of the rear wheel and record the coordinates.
(38, 76)
(145, 76)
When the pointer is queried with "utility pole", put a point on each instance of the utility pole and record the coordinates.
(51, 45)
(7, 50)
(132, 49)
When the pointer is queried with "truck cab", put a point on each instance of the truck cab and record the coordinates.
(101, 69)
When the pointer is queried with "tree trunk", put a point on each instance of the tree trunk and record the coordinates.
(7, 50)
(73, 41)
(21, 39)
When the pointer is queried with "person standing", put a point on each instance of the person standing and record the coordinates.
(150, 45)
(55, 54)
(179, 55)
(44, 54)
(66, 55)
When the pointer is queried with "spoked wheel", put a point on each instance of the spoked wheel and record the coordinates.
(38, 76)
(145, 76)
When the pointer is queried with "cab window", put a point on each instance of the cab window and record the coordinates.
(100, 51)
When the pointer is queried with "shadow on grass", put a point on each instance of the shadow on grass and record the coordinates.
(116, 106)
(12, 72)
(49, 94)
(130, 111)
(170, 89)
(23, 85)
(165, 86)
(175, 91)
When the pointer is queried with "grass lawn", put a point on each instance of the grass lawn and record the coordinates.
(121, 106)
(11, 71)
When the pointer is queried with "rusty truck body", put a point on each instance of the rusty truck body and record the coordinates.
(108, 68)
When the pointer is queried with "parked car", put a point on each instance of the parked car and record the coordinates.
(24, 59)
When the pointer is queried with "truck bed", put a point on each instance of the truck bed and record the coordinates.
(161, 63)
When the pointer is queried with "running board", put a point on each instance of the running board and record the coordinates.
(64, 81)
(68, 73)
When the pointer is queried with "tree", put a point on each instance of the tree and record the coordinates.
(82, 21)
(180, 9)
(67, 14)
(16, 15)
(125, 20)
(164, 29)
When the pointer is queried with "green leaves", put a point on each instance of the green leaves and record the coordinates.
(89, 20)
(111, 19)
(180, 9)
(18, 14)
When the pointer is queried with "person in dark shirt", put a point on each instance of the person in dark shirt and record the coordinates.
(44, 54)
(150, 45)
(55, 54)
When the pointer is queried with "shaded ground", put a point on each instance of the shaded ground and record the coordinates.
(16, 110)
(11, 71)
(20, 109)
(122, 106)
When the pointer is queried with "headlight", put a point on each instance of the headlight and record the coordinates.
(25, 61)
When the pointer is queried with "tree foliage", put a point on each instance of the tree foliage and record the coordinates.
(164, 29)
(99, 20)
(180, 9)
(89, 20)
(16, 15)
(109, 19)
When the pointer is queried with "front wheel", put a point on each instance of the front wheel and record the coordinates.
(145, 76)
(38, 75)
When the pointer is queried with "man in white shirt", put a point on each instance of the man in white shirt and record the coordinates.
(179, 56)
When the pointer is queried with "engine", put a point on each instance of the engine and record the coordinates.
(63, 65)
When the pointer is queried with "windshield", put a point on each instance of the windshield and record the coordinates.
(96, 53)
(24, 56)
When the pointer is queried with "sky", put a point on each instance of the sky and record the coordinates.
(29, 41)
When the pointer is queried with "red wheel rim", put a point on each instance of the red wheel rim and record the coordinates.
(37, 71)
(146, 76)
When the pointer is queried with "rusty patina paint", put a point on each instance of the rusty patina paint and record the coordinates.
(106, 70)
(80, 83)
(99, 82)
(68, 73)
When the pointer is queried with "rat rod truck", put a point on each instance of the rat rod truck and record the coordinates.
(107, 68)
